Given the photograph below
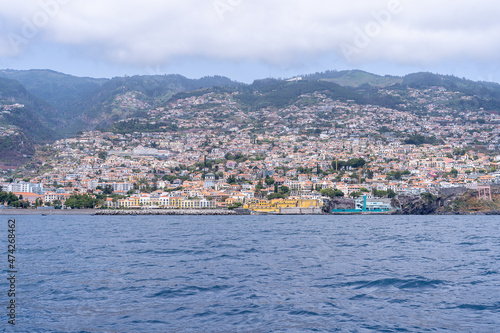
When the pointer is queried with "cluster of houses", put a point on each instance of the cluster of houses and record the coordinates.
(221, 156)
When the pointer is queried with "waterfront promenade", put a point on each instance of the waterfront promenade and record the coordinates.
(48, 211)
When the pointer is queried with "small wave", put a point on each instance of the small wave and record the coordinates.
(422, 284)
(479, 307)
(237, 312)
(135, 241)
(38, 250)
(65, 272)
(379, 328)
(187, 291)
(303, 313)
(361, 297)
(143, 322)
(169, 252)
(330, 304)
(204, 314)
(397, 283)
(182, 308)
(398, 301)
(328, 286)
(171, 293)
(225, 246)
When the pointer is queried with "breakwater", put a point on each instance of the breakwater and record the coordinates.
(168, 212)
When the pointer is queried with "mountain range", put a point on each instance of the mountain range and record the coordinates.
(57, 105)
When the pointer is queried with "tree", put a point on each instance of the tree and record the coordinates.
(8, 198)
(235, 205)
(81, 201)
(419, 139)
(25, 204)
(328, 192)
(339, 193)
(108, 189)
(356, 163)
(284, 189)
(454, 173)
(259, 186)
(269, 180)
(102, 155)
(428, 197)
(380, 194)
(38, 202)
(276, 196)
(231, 179)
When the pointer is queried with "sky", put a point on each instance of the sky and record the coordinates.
(251, 39)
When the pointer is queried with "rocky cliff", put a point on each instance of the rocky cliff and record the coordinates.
(338, 204)
(415, 204)
(448, 201)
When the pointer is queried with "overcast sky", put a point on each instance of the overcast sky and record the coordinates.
(251, 39)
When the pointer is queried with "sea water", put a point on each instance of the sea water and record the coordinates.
(255, 274)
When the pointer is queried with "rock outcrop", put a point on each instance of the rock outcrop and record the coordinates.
(415, 204)
(458, 200)
(338, 204)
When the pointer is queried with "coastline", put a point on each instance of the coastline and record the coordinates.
(167, 212)
(100, 212)
(48, 211)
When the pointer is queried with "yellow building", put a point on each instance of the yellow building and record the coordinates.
(276, 205)
(132, 202)
(176, 202)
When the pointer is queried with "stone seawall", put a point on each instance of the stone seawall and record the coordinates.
(300, 211)
(167, 212)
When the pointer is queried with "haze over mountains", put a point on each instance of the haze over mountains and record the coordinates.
(56, 105)
(81, 103)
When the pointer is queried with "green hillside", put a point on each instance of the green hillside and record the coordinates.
(355, 78)
(58, 89)
(37, 119)
(82, 103)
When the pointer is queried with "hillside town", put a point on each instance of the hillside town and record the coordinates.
(205, 151)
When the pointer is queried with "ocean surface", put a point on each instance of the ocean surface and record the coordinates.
(255, 274)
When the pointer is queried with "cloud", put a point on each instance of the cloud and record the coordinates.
(151, 32)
